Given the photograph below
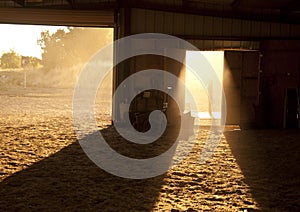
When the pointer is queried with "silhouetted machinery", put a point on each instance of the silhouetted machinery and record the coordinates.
(143, 104)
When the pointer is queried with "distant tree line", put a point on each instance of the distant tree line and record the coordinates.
(12, 60)
(66, 48)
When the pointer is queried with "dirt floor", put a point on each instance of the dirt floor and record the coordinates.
(42, 166)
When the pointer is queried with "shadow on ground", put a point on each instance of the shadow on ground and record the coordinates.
(269, 160)
(68, 180)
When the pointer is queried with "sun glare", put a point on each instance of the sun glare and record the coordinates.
(23, 38)
(199, 93)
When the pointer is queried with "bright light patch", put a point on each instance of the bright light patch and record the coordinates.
(200, 93)
(23, 38)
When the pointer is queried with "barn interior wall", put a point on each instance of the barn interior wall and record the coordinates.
(201, 27)
(280, 70)
(280, 64)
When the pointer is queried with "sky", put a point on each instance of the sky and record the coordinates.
(23, 38)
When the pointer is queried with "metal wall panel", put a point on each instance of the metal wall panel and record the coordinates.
(189, 24)
(168, 23)
(206, 26)
(295, 30)
(280, 70)
(275, 29)
(236, 27)
(246, 28)
(198, 25)
(179, 23)
(159, 22)
(150, 21)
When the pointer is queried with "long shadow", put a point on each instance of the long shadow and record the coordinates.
(269, 160)
(69, 181)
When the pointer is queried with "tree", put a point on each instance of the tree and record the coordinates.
(52, 47)
(10, 60)
(28, 61)
(71, 47)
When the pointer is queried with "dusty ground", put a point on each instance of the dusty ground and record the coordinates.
(42, 166)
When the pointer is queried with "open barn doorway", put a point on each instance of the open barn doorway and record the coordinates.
(238, 72)
(204, 95)
(44, 62)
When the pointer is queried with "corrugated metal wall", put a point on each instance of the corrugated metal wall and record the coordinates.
(280, 68)
(187, 24)
(214, 32)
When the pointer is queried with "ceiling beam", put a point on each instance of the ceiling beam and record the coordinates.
(78, 6)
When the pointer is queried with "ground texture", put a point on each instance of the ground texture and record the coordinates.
(42, 166)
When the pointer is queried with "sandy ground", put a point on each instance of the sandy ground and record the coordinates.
(42, 166)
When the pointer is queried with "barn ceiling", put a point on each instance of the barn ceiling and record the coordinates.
(286, 11)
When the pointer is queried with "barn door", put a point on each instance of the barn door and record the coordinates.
(241, 86)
